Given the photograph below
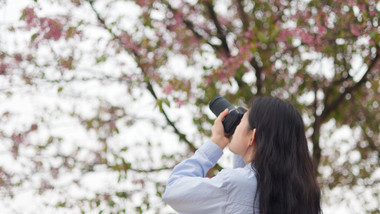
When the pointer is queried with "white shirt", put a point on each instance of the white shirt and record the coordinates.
(231, 191)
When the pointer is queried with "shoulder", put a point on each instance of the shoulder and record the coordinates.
(241, 186)
(243, 173)
(239, 178)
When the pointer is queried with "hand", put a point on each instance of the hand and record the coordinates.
(217, 130)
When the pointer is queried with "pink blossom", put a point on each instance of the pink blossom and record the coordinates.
(318, 42)
(326, 19)
(67, 63)
(208, 79)
(3, 68)
(354, 30)
(321, 30)
(279, 4)
(351, 3)
(222, 77)
(33, 127)
(283, 34)
(306, 38)
(178, 21)
(179, 102)
(194, 41)
(54, 172)
(303, 14)
(17, 138)
(178, 17)
(362, 7)
(14, 151)
(112, 125)
(223, 20)
(53, 28)
(18, 57)
(127, 42)
(168, 89)
(143, 3)
(29, 57)
(187, 84)
(45, 185)
(372, 12)
(30, 17)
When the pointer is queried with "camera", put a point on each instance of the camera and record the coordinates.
(218, 105)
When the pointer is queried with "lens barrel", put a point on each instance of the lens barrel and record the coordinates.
(219, 104)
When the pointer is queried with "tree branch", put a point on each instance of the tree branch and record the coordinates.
(371, 142)
(316, 129)
(243, 15)
(149, 86)
(258, 71)
(332, 86)
(220, 32)
(349, 90)
(252, 62)
(332, 106)
(191, 27)
(150, 170)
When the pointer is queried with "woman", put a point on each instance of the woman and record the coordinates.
(273, 171)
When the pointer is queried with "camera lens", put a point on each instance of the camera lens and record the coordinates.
(232, 119)
(219, 104)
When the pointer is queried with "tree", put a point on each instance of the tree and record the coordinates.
(323, 56)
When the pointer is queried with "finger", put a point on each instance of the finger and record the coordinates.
(222, 115)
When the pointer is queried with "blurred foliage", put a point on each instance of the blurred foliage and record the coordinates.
(322, 56)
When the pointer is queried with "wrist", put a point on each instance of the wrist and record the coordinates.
(219, 142)
(211, 150)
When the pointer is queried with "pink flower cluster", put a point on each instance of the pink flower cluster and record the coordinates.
(3, 68)
(178, 18)
(231, 64)
(179, 102)
(355, 29)
(143, 3)
(168, 89)
(279, 4)
(52, 28)
(308, 38)
(128, 43)
(176, 23)
(47, 28)
(19, 138)
(67, 62)
(30, 18)
(18, 57)
(284, 34)
(305, 36)
(311, 36)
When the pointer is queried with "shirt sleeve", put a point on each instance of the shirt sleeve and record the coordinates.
(238, 161)
(189, 191)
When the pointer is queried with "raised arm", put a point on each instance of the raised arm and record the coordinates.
(189, 191)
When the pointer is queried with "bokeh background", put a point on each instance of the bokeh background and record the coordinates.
(100, 99)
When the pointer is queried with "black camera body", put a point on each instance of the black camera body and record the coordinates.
(218, 105)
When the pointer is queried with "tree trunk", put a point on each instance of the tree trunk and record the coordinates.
(316, 147)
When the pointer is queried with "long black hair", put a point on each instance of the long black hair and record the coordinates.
(286, 179)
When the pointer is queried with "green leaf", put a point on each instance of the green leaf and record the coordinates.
(33, 37)
(262, 37)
